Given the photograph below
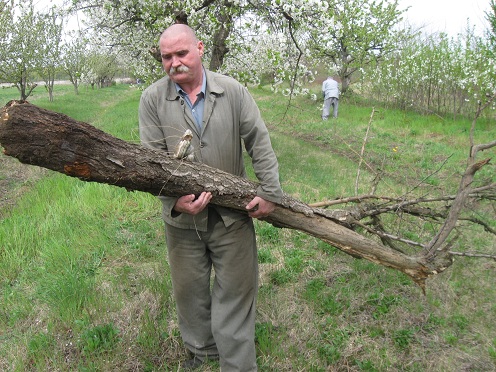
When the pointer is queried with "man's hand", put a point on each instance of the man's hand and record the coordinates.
(263, 207)
(188, 204)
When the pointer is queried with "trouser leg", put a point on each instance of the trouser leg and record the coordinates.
(335, 103)
(234, 257)
(326, 109)
(190, 267)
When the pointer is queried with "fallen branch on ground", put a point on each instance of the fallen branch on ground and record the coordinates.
(57, 142)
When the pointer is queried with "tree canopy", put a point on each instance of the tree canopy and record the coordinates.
(355, 34)
(287, 43)
(22, 44)
(283, 39)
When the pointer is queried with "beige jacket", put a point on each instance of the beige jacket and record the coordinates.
(231, 117)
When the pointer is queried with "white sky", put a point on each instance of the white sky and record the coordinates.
(449, 16)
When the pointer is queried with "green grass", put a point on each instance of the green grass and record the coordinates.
(84, 278)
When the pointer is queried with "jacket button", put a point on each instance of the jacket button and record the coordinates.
(202, 145)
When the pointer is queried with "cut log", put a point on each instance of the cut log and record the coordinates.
(55, 141)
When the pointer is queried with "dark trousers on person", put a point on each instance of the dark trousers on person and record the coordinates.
(216, 319)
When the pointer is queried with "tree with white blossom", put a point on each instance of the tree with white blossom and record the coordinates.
(436, 74)
(75, 58)
(51, 48)
(20, 45)
(247, 38)
(354, 34)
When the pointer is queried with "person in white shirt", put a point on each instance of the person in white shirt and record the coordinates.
(330, 91)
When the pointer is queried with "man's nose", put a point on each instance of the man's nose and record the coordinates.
(175, 61)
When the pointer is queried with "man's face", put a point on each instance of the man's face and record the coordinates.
(181, 58)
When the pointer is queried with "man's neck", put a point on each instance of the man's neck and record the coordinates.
(193, 88)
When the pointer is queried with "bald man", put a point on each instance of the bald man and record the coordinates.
(218, 321)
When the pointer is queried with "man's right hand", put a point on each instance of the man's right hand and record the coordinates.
(188, 204)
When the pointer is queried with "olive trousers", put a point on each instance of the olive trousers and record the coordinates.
(216, 317)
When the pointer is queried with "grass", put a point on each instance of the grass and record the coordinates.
(84, 281)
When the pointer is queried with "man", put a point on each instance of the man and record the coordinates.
(330, 91)
(217, 323)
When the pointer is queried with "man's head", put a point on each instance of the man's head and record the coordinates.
(181, 54)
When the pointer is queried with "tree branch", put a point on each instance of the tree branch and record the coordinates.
(362, 151)
(473, 255)
(55, 141)
(435, 246)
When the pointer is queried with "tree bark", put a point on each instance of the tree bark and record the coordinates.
(57, 142)
(219, 46)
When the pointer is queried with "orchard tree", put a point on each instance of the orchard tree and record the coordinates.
(20, 44)
(356, 33)
(420, 75)
(436, 73)
(6, 21)
(491, 18)
(50, 48)
(292, 36)
(75, 58)
(478, 69)
(102, 69)
(133, 27)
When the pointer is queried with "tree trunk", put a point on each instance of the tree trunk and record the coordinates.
(219, 47)
(55, 141)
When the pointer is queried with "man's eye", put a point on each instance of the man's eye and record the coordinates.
(165, 57)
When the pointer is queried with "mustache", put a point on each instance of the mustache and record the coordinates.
(181, 68)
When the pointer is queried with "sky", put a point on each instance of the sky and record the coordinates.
(448, 16)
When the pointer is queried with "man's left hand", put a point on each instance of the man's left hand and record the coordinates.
(260, 208)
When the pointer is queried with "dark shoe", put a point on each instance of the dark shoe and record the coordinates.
(192, 364)
(196, 362)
